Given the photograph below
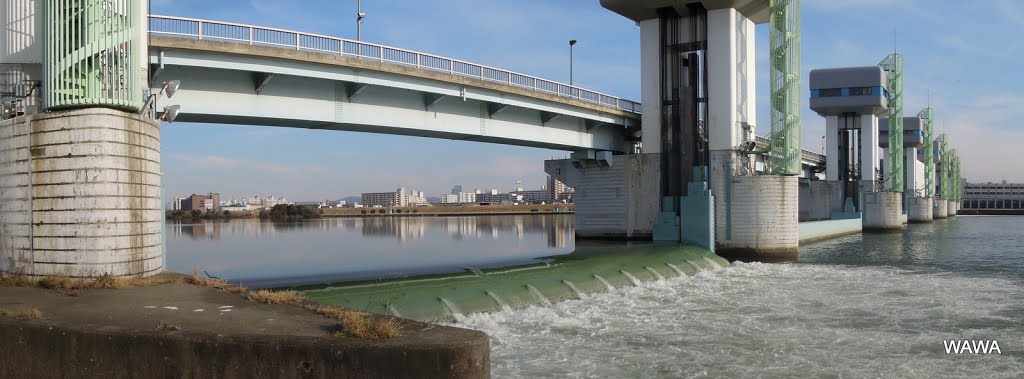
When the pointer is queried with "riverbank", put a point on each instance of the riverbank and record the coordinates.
(178, 330)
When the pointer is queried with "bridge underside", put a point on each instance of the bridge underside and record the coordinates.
(258, 90)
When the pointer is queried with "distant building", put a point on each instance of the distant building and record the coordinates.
(456, 190)
(382, 199)
(993, 196)
(399, 198)
(531, 196)
(558, 191)
(460, 198)
(194, 202)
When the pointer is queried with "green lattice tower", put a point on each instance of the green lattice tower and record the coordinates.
(944, 167)
(893, 64)
(958, 195)
(785, 87)
(928, 115)
(91, 51)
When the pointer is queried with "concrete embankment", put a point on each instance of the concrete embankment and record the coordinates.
(182, 330)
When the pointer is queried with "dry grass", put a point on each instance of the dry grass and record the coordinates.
(24, 314)
(30, 314)
(221, 284)
(275, 297)
(358, 324)
(17, 280)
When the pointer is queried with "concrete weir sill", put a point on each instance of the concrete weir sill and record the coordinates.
(38, 349)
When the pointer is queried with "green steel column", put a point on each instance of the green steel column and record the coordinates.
(943, 167)
(785, 87)
(928, 115)
(893, 64)
(91, 52)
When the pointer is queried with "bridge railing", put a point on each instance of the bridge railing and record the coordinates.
(257, 35)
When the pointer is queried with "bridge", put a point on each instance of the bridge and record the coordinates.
(80, 189)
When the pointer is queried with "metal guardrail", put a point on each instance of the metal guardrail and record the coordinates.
(807, 155)
(289, 39)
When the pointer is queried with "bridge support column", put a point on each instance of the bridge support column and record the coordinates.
(940, 209)
(882, 211)
(951, 208)
(762, 217)
(81, 194)
(919, 209)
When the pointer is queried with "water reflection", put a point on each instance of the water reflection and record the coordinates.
(312, 251)
(558, 230)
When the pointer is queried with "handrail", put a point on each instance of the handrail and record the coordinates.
(258, 35)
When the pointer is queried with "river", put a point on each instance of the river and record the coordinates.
(858, 306)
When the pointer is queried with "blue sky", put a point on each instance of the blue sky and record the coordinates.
(965, 54)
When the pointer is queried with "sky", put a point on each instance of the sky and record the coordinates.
(960, 57)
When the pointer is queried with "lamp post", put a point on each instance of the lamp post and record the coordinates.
(572, 43)
(359, 20)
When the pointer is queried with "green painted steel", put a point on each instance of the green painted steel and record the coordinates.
(588, 270)
(944, 167)
(91, 51)
(785, 87)
(928, 115)
(893, 64)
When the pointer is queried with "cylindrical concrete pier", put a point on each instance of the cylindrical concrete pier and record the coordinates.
(951, 208)
(940, 209)
(81, 194)
(919, 209)
(882, 211)
(762, 218)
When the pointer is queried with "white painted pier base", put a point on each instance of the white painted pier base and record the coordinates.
(762, 220)
(883, 211)
(919, 209)
(939, 211)
(80, 194)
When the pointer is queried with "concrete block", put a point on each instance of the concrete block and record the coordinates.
(951, 208)
(883, 211)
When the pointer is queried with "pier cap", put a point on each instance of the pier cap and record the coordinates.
(859, 90)
(912, 132)
(640, 10)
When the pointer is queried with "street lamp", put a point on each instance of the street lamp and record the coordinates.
(359, 20)
(572, 43)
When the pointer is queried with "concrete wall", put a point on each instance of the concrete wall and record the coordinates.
(80, 194)
(820, 230)
(816, 200)
(763, 217)
(620, 201)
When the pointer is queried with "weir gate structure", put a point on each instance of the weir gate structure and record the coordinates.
(85, 85)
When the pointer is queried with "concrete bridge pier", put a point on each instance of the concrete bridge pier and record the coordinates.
(941, 209)
(951, 208)
(882, 211)
(80, 195)
(919, 209)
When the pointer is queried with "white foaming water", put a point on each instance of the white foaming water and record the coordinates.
(774, 320)
(501, 302)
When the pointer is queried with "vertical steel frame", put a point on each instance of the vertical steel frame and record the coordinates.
(928, 115)
(893, 64)
(785, 87)
(91, 50)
